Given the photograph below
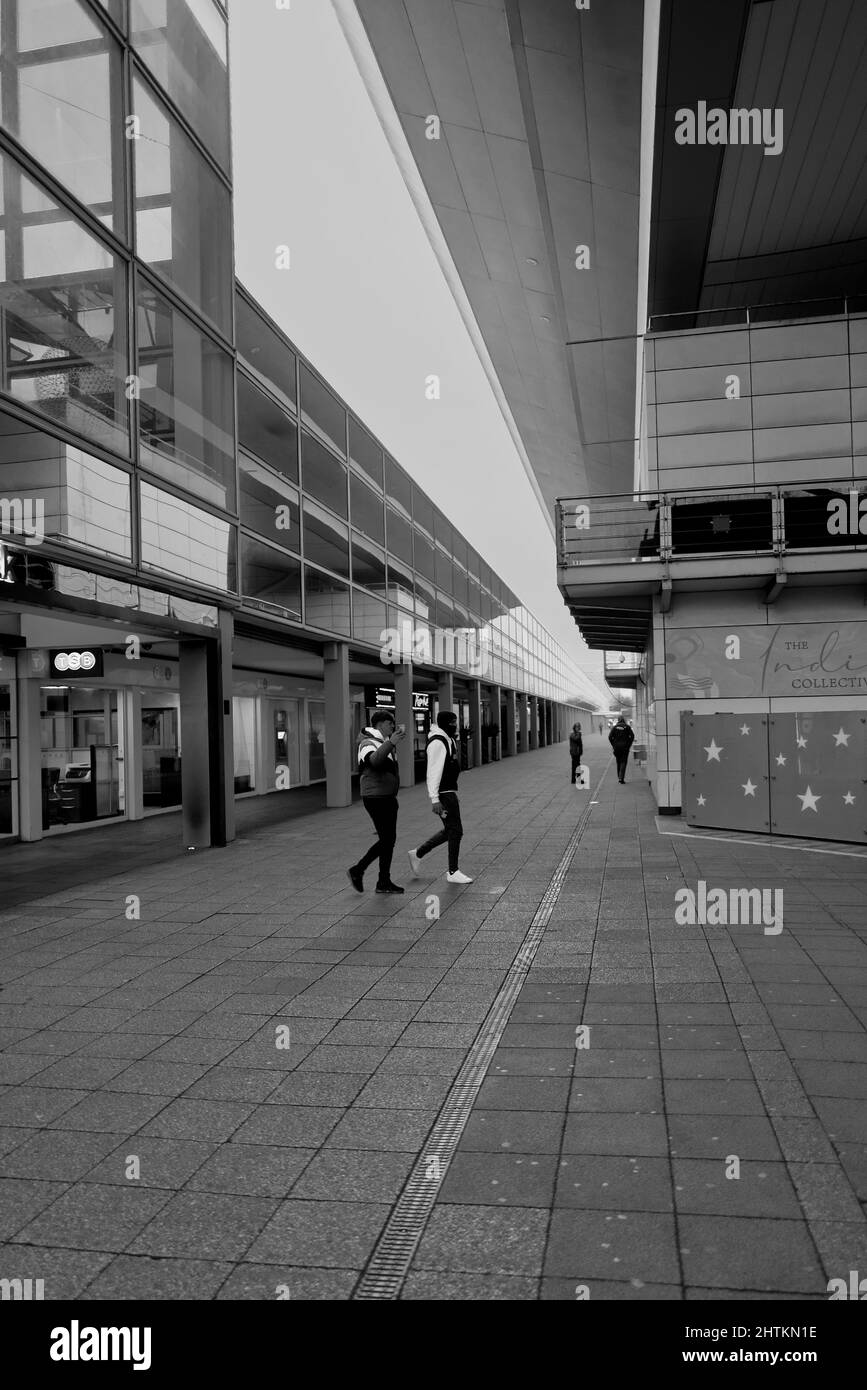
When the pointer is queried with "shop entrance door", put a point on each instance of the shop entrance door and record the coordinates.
(80, 756)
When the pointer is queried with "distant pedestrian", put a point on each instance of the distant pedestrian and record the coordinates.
(380, 779)
(621, 739)
(576, 748)
(443, 770)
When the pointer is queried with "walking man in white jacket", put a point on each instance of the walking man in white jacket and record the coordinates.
(443, 770)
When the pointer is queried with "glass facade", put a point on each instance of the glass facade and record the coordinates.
(198, 445)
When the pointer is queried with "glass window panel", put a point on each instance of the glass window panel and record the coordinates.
(265, 352)
(472, 563)
(368, 564)
(424, 557)
(269, 576)
(183, 212)
(458, 585)
(426, 596)
(398, 486)
(184, 44)
(400, 584)
(266, 430)
(367, 510)
(444, 577)
(327, 602)
(86, 502)
(365, 452)
(442, 531)
(322, 411)
(186, 406)
(445, 613)
(422, 511)
(369, 618)
(474, 597)
(399, 536)
(63, 301)
(61, 91)
(326, 540)
(269, 506)
(459, 548)
(183, 540)
(323, 476)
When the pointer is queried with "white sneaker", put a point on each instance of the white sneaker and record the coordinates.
(458, 877)
(414, 862)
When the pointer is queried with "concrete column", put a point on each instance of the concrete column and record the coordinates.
(133, 778)
(523, 722)
(403, 714)
(509, 739)
(476, 721)
(29, 759)
(207, 762)
(446, 691)
(534, 722)
(338, 721)
(496, 718)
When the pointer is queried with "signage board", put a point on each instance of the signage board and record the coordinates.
(76, 662)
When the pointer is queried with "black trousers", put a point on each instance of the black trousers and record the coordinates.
(383, 812)
(451, 833)
(576, 763)
(622, 757)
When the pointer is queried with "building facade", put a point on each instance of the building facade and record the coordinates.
(210, 570)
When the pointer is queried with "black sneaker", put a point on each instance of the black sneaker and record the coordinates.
(356, 878)
(388, 888)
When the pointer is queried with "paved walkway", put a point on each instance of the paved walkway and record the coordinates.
(156, 1142)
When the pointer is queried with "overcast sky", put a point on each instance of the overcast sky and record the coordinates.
(365, 298)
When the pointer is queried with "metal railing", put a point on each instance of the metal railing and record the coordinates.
(654, 527)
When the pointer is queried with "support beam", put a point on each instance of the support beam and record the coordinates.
(523, 722)
(497, 741)
(445, 691)
(510, 730)
(476, 721)
(534, 722)
(207, 761)
(403, 714)
(338, 722)
(776, 587)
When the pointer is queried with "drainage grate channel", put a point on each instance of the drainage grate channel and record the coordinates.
(391, 1259)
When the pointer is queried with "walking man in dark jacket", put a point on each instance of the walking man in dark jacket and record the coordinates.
(380, 779)
(621, 739)
(443, 770)
(576, 749)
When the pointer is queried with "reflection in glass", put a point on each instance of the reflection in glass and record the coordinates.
(364, 451)
(183, 42)
(327, 602)
(183, 540)
(368, 618)
(183, 212)
(63, 303)
(186, 407)
(266, 430)
(398, 486)
(322, 411)
(368, 564)
(269, 506)
(399, 537)
(326, 540)
(323, 476)
(270, 576)
(265, 352)
(367, 510)
(61, 96)
(400, 584)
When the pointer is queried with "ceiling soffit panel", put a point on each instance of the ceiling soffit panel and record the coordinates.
(511, 185)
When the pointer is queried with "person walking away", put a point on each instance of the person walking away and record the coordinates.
(576, 749)
(443, 770)
(380, 780)
(621, 739)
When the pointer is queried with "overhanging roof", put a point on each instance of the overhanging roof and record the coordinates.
(538, 154)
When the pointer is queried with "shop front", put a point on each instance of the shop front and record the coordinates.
(279, 731)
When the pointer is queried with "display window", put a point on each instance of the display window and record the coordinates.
(82, 768)
(8, 759)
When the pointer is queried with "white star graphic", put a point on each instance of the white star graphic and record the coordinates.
(808, 800)
(701, 800)
(749, 787)
(713, 752)
(849, 799)
(802, 742)
(781, 760)
(841, 738)
(745, 728)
